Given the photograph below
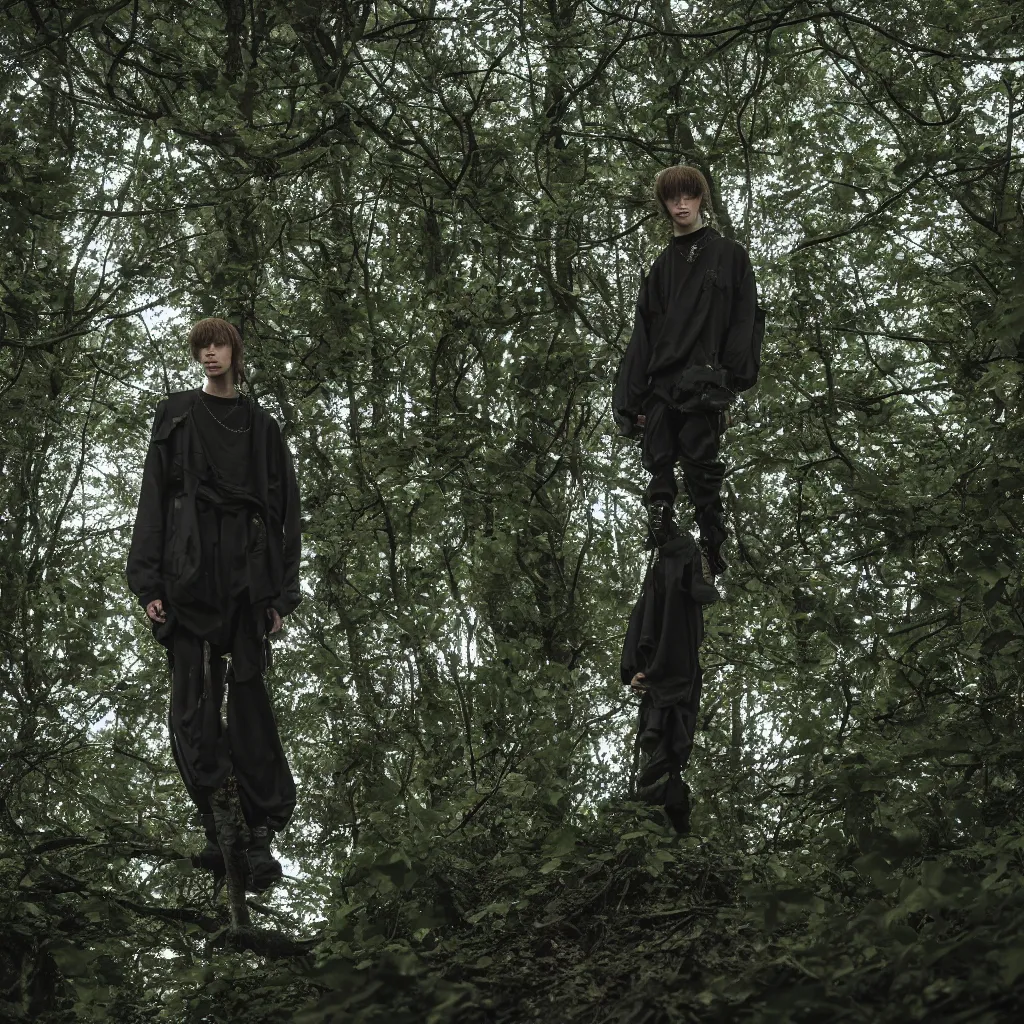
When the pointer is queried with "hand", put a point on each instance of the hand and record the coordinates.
(275, 619)
(636, 685)
(641, 420)
(155, 610)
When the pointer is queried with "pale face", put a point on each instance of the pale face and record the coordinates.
(216, 359)
(685, 213)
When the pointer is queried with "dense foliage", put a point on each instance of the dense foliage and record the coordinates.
(430, 220)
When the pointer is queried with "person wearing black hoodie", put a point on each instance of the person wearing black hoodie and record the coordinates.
(696, 343)
(214, 561)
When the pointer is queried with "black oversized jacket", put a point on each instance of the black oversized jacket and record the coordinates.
(163, 561)
(714, 322)
(666, 626)
(663, 638)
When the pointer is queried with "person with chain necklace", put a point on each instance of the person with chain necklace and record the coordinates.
(214, 561)
(696, 343)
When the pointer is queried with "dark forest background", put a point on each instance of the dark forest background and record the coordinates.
(430, 220)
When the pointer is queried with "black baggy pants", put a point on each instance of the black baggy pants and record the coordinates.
(693, 440)
(250, 748)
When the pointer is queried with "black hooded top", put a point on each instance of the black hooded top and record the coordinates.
(218, 517)
(696, 308)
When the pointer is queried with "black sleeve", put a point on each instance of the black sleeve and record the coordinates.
(290, 517)
(631, 383)
(145, 556)
(629, 662)
(741, 350)
(632, 659)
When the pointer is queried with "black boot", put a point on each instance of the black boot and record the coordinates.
(264, 869)
(210, 859)
(716, 563)
(659, 523)
(677, 804)
(702, 581)
(713, 536)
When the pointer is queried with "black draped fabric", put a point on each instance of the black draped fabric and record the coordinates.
(691, 313)
(663, 638)
(166, 556)
(217, 540)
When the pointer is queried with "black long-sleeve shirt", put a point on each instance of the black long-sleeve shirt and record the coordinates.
(224, 426)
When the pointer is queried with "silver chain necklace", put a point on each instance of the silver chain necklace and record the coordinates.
(695, 249)
(213, 415)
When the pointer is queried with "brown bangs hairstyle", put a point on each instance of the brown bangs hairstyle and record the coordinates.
(215, 330)
(681, 180)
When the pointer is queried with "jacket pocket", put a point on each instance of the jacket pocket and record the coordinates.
(198, 466)
(184, 554)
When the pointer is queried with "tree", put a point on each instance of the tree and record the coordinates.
(430, 223)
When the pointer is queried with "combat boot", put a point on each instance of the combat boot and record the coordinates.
(264, 869)
(660, 526)
(702, 583)
(677, 804)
